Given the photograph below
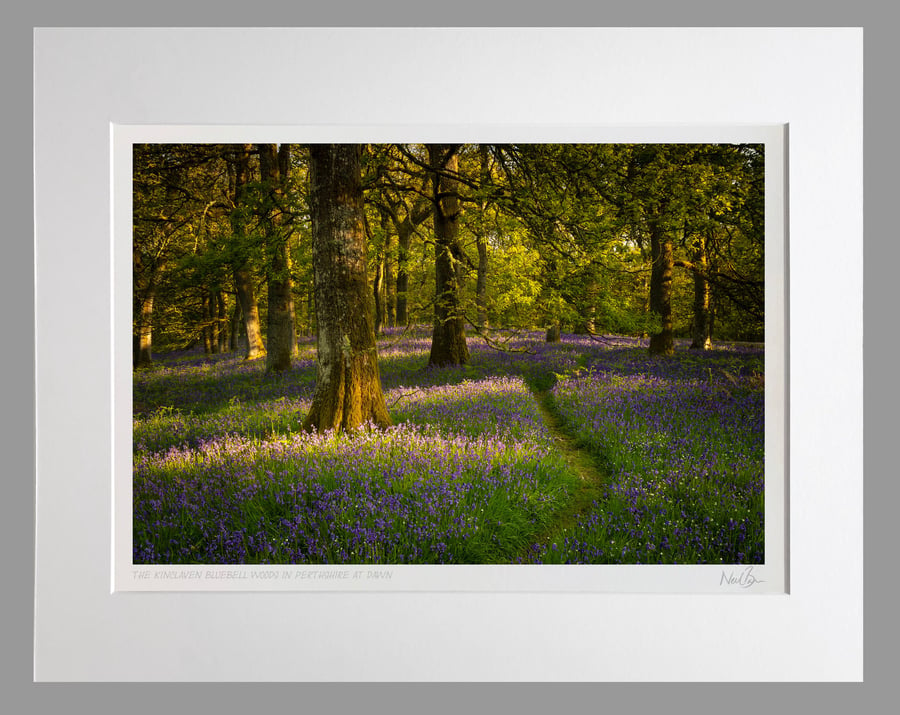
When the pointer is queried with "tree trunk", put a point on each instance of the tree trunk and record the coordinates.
(378, 293)
(274, 164)
(390, 288)
(481, 283)
(404, 233)
(243, 283)
(481, 245)
(144, 277)
(701, 332)
(213, 320)
(243, 279)
(222, 317)
(553, 333)
(348, 387)
(205, 327)
(145, 328)
(662, 256)
(448, 341)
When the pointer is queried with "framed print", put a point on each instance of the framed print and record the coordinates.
(693, 543)
(203, 616)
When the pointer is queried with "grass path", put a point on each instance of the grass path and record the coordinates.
(577, 460)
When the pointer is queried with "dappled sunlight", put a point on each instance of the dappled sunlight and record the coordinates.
(471, 472)
(405, 494)
(503, 407)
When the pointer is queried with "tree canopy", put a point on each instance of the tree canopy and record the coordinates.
(655, 240)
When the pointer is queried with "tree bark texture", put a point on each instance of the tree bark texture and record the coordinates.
(348, 386)
(663, 261)
(243, 278)
(311, 311)
(273, 166)
(701, 332)
(246, 293)
(448, 341)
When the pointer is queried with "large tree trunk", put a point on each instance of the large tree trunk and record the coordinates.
(662, 257)
(448, 340)
(274, 164)
(348, 387)
(243, 278)
(701, 332)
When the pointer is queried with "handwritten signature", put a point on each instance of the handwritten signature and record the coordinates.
(744, 579)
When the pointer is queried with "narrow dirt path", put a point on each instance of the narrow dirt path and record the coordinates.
(579, 461)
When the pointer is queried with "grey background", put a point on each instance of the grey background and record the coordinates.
(17, 521)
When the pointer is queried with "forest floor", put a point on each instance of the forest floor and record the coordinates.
(579, 461)
(575, 452)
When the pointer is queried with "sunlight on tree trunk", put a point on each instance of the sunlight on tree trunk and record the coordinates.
(243, 280)
(701, 332)
(246, 294)
(348, 387)
(145, 344)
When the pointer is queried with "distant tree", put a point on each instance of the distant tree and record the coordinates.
(406, 217)
(348, 386)
(398, 191)
(481, 244)
(170, 182)
(274, 168)
(239, 163)
(662, 262)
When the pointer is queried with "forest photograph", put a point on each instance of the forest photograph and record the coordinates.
(539, 353)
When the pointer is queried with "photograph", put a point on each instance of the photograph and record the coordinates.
(543, 364)
(454, 353)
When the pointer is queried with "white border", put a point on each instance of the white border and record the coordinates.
(87, 79)
(766, 578)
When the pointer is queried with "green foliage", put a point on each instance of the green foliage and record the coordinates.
(562, 230)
